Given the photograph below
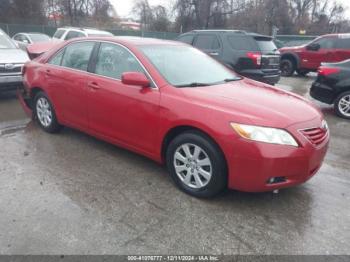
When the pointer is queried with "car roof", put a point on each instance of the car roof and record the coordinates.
(135, 40)
(132, 40)
(228, 32)
(86, 30)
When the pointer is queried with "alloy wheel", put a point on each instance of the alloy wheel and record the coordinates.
(44, 112)
(344, 105)
(193, 166)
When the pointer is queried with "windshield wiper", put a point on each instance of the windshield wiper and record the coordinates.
(194, 84)
(232, 79)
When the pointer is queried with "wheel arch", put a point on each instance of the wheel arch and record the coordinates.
(177, 130)
(293, 57)
(33, 92)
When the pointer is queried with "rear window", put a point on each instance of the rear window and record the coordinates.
(265, 44)
(240, 42)
(188, 39)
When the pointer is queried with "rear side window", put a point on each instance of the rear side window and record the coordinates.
(77, 55)
(343, 43)
(59, 33)
(188, 39)
(114, 60)
(74, 34)
(241, 43)
(265, 44)
(207, 42)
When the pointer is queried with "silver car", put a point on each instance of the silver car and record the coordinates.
(12, 59)
(25, 39)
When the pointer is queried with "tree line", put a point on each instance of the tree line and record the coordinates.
(64, 12)
(289, 16)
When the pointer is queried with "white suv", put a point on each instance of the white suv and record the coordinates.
(67, 33)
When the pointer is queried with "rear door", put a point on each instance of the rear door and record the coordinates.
(210, 44)
(342, 47)
(67, 79)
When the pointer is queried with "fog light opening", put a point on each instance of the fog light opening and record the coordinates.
(276, 180)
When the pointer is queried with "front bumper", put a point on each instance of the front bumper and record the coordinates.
(25, 101)
(252, 168)
(10, 82)
(322, 92)
(271, 77)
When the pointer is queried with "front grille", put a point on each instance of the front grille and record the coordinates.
(9, 69)
(315, 135)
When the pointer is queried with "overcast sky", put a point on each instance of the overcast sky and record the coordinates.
(123, 7)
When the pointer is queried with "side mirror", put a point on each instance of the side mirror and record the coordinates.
(135, 79)
(313, 47)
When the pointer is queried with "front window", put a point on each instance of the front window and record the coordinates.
(114, 60)
(185, 66)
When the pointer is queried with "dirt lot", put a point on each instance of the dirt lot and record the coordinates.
(73, 194)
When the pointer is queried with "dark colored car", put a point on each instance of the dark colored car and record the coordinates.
(332, 86)
(308, 58)
(249, 54)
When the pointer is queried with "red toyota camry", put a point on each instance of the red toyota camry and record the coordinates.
(176, 105)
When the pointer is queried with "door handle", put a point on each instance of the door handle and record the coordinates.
(48, 72)
(214, 53)
(93, 85)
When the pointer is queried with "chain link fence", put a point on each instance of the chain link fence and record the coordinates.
(12, 29)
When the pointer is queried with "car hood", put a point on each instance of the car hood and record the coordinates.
(42, 47)
(255, 103)
(13, 56)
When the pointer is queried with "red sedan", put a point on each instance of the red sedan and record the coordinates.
(176, 105)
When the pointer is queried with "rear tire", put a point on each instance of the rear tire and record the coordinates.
(287, 67)
(197, 165)
(342, 105)
(44, 113)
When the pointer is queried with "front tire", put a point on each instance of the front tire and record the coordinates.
(342, 105)
(287, 67)
(44, 113)
(197, 165)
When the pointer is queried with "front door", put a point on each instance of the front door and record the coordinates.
(127, 114)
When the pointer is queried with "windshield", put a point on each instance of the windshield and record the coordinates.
(39, 38)
(187, 66)
(59, 33)
(5, 42)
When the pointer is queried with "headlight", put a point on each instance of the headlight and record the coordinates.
(265, 134)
